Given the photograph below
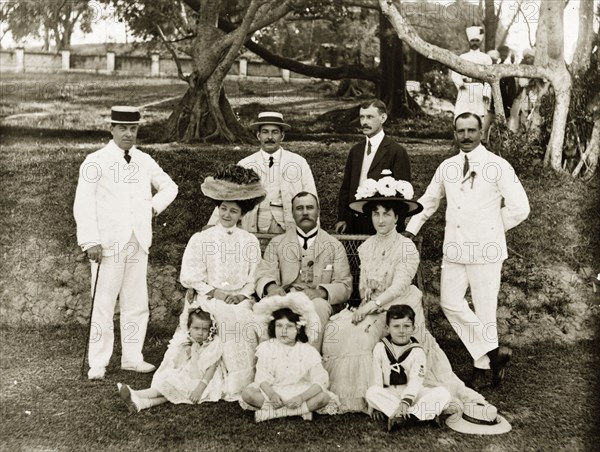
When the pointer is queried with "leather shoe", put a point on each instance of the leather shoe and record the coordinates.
(498, 364)
(477, 381)
(142, 367)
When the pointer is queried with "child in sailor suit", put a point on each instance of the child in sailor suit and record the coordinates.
(399, 367)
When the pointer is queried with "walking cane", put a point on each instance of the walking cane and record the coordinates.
(89, 333)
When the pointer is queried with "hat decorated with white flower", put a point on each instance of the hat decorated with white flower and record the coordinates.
(299, 303)
(386, 189)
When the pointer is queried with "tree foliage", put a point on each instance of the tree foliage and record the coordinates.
(49, 19)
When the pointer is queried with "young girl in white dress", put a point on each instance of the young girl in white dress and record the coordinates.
(191, 371)
(290, 379)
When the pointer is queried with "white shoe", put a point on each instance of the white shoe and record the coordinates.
(96, 373)
(129, 397)
(142, 367)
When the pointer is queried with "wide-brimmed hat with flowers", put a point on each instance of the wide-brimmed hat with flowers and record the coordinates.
(299, 303)
(234, 183)
(386, 189)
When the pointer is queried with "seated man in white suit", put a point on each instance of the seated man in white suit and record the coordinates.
(284, 174)
(113, 210)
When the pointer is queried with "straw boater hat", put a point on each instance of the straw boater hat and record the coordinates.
(478, 419)
(297, 302)
(123, 114)
(234, 183)
(475, 33)
(270, 118)
(386, 189)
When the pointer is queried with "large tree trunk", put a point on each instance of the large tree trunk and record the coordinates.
(491, 25)
(392, 87)
(550, 53)
(204, 113)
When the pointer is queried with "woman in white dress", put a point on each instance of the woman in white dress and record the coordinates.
(219, 265)
(389, 262)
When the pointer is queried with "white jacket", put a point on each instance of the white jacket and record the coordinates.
(114, 199)
(480, 208)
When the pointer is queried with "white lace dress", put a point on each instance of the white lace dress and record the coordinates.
(388, 265)
(226, 259)
(183, 367)
(291, 370)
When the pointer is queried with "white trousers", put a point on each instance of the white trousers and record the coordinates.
(427, 405)
(122, 275)
(477, 330)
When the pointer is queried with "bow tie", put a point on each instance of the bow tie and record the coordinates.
(306, 238)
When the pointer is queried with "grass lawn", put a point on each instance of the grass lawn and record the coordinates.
(548, 398)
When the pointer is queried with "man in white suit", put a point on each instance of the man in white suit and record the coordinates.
(284, 174)
(113, 210)
(484, 200)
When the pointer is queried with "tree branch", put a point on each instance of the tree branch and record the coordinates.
(585, 38)
(512, 21)
(486, 73)
(329, 73)
(238, 38)
(180, 74)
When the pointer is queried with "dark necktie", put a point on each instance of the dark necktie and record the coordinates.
(306, 238)
(368, 147)
(127, 156)
(271, 162)
(466, 166)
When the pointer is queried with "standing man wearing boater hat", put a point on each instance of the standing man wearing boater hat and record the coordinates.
(284, 174)
(113, 210)
(484, 199)
(473, 95)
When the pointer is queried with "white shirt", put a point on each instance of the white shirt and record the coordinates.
(272, 181)
(368, 159)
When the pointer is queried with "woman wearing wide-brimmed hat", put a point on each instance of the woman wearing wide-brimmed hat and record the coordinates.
(219, 265)
(389, 262)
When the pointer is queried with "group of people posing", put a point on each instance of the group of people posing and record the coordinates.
(273, 330)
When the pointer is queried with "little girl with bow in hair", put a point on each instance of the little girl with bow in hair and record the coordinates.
(290, 379)
(191, 371)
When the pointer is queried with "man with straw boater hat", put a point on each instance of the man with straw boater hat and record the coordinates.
(473, 95)
(283, 174)
(113, 210)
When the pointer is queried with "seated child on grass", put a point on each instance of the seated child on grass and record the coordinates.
(191, 371)
(399, 366)
(290, 379)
